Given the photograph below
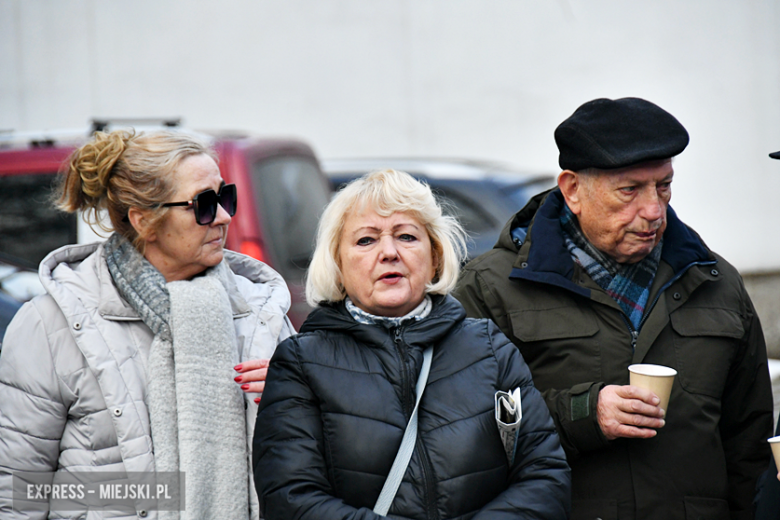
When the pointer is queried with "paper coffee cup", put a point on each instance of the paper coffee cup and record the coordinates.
(774, 442)
(656, 378)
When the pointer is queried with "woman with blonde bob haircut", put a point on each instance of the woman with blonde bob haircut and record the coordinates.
(341, 394)
(388, 192)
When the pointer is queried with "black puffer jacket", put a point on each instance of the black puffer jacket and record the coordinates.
(338, 398)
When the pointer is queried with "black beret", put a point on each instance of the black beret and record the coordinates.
(775, 155)
(606, 133)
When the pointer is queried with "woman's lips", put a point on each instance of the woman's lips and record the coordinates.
(390, 278)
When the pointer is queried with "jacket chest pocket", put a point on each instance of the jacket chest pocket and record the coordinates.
(705, 343)
(559, 345)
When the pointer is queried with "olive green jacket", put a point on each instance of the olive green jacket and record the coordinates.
(575, 338)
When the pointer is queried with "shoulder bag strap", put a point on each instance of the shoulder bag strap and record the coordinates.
(404, 454)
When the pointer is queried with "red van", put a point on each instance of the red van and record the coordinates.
(281, 193)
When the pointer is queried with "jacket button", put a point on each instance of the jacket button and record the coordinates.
(142, 513)
(676, 296)
(117, 412)
(77, 326)
(524, 265)
(714, 272)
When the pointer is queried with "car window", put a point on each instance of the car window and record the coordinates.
(521, 193)
(291, 193)
(30, 225)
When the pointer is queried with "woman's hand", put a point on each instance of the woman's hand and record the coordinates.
(251, 376)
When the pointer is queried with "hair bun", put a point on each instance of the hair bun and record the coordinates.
(95, 162)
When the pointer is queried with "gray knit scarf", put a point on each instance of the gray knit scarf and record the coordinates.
(196, 411)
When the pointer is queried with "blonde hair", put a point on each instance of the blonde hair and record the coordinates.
(386, 192)
(120, 170)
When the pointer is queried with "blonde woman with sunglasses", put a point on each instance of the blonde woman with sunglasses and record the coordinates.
(126, 366)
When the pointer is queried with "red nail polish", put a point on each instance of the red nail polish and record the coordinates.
(257, 400)
(237, 379)
(237, 367)
(245, 387)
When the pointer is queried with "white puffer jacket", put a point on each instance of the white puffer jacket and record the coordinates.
(73, 377)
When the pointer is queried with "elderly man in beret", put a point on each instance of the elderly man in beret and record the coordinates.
(600, 273)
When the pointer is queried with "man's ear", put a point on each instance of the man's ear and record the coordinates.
(570, 183)
(140, 221)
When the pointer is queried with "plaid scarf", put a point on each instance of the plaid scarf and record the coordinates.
(628, 284)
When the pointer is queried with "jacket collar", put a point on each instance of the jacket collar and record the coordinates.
(269, 286)
(446, 314)
(543, 256)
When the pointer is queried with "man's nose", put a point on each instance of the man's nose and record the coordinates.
(652, 206)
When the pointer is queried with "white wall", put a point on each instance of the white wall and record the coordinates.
(472, 78)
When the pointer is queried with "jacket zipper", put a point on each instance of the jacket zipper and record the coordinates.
(406, 396)
(408, 405)
(430, 490)
(635, 331)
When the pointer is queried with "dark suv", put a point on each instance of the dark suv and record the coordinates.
(281, 192)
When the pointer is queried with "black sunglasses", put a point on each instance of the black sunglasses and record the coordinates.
(205, 203)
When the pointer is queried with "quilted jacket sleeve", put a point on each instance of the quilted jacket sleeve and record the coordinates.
(32, 412)
(540, 478)
(288, 441)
